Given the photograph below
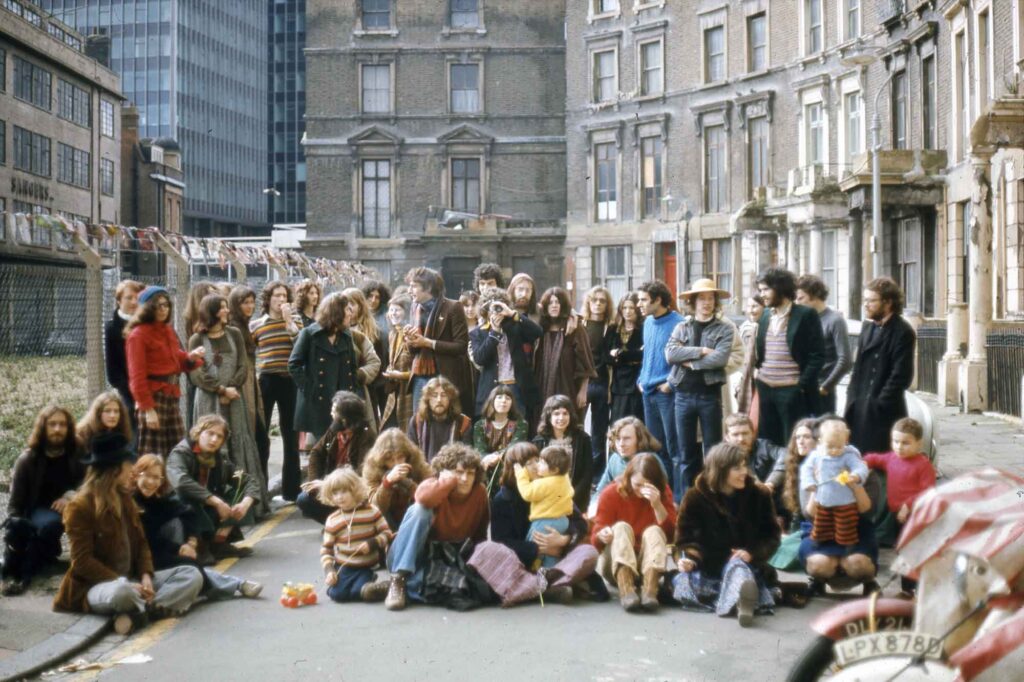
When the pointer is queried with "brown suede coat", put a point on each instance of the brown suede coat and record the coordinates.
(95, 541)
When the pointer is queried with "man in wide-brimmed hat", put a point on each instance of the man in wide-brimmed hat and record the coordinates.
(698, 351)
(111, 568)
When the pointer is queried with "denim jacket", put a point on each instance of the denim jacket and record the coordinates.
(680, 348)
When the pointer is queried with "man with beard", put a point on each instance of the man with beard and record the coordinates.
(439, 419)
(44, 481)
(438, 336)
(523, 293)
(884, 368)
(789, 356)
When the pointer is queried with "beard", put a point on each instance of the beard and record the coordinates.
(876, 316)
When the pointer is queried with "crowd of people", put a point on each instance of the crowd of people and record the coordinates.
(447, 444)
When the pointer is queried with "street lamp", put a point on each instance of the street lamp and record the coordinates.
(863, 56)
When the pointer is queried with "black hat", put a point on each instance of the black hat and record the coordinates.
(109, 450)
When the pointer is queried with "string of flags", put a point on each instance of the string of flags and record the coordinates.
(109, 236)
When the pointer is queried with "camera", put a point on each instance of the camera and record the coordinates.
(497, 308)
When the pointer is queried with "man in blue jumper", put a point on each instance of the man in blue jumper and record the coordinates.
(657, 304)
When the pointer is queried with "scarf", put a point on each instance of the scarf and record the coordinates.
(424, 319)
(553, 342)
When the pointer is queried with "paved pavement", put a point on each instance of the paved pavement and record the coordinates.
(582, 641)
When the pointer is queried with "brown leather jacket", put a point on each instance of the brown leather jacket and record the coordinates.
(95, 541)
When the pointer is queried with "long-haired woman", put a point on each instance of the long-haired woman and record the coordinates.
(242, 305)
(625, 354)
(155, 360)
(220, 383)
(560, 425)
(307, 297)
(562, 363)
(362, 320)
(500, 426)
(106, 413)
(398, 407)
(392, 470)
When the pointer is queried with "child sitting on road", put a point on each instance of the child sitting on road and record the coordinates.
(908, 473)
(550, 494)
(356, 536)
(834, 468)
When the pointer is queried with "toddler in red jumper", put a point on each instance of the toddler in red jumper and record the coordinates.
(908, 473)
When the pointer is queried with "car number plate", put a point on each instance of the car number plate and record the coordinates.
(879, 644)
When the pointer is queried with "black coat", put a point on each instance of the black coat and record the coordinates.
(582, 473)
(157, 514)
(708, 532)
(626, 365)
(521, 332)
(883, 371)
(510, 524)
(321, 369)
(117, 364)
(806, 345)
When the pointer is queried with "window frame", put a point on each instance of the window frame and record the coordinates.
(929, 102)
(467, 183)
(389, 106)
(852, 29)
(378, 181)
(105, 108)
(713, 251)
(645, 68)
(611, 204)
(710, 58)
(73, 166)
(35, 149)
(812, 141)
(479, 66)
(830, 274)
(752, 47)
(765, 165)
(618, 283)
(376, 29)
(651, 194)
(596, 78)
(716, 187)
(813, 31)
(595, 11)
(478, 26)
(107, 174)
(74, 104)
(30, 75)
(853, 123)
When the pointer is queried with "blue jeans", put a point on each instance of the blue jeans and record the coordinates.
(350, 582)
(560, 524)
(418, 382)
(691, 407)
(410, 539)
(660, 419)
(597, 397)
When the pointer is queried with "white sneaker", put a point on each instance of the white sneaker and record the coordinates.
(250, 589)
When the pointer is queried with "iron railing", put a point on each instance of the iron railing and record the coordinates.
(1005, 349)
(931, 346)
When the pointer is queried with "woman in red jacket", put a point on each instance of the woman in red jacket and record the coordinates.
(634, 520)
(155, 360)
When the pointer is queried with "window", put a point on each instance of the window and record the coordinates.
(464, 14)
(909, 261)
(465, 98)
(651, 68)
(604, 76)
(714, 169)
(106, 118)
(650, 176)
(107, 177)
(376, 203)
(32, 83)
(3, 69)
(828, 261)
(611, 269)
(851, 107)
(31, 152)
(376, 88)
(606, 158)
(928, 103)
(962, 97)
(3, 143)
(376, 15)
(965, 249)
(73, 103)
(757, 42)
(852, 19)
(757, 152)
(984, 65)
(815, 134)
(465, 185)
(714, 54)
(72, 166)
(899, 110)
(605, 6)
(815, 30)
(718, 262)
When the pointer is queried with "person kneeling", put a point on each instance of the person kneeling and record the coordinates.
(111, 568)
(356, 535)
(725, 534)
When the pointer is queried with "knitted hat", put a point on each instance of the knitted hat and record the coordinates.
(109, 449)
(151, 291)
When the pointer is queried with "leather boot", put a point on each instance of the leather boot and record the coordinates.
(395, 601)
(627, 589)
(649, 597)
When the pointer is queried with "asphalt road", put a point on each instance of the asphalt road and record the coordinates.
(261, 640)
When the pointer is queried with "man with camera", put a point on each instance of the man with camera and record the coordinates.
(498, 349)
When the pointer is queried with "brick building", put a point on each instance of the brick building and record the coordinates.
(415, 108)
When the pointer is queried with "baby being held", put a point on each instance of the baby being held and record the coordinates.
(549, 493)
(831, 472)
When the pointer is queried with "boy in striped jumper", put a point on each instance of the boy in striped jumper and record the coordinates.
(356, 536)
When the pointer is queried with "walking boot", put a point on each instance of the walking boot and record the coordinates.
(747, 603)
(395, 600)
(649, 596)
(375, 591)
(627, 589)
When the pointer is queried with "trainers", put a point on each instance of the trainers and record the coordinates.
(395, 600)
(375, 591)
(250, 589)
(747, 603)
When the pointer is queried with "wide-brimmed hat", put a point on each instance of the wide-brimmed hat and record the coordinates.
(703, 286)
(151, 291)
(109, 450)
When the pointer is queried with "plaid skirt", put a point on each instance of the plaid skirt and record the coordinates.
(172, 427)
